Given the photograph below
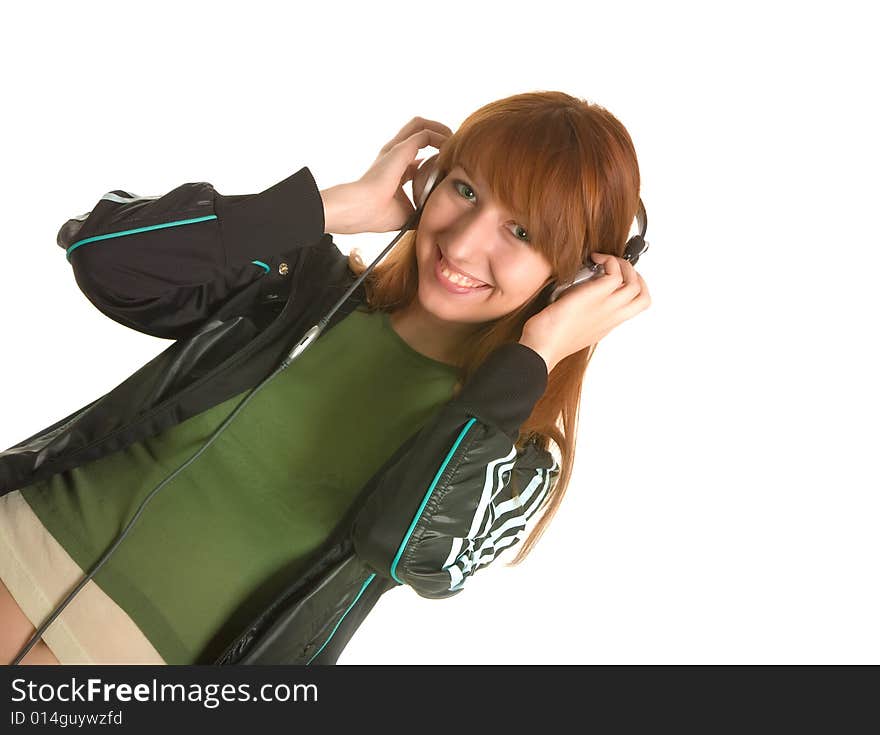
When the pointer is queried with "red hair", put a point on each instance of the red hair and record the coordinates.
(571, 166)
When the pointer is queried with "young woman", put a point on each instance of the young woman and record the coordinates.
(453, 324)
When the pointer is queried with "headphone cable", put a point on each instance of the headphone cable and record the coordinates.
(308, 338)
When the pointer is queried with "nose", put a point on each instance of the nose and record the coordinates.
(469, 243)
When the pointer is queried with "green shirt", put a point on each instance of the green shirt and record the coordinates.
(215, 545)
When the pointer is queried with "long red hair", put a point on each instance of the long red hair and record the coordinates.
(572, 167)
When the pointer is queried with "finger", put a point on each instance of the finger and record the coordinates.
(407, 150)
(438, 126)
(410, 171)
(637, 304)
(631, 288)
(415, 125)
(414, 166)
(402, 134)
(611, 267)
(644, 294)
(630, 278)
(422, 139)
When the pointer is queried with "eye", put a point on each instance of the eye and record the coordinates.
(461, 185)
(458, 184)
(525, 236)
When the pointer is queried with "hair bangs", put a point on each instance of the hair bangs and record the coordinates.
(533, 171)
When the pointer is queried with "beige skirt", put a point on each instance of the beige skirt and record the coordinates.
(40, 574)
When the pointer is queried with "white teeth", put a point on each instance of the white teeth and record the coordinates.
(459, 279)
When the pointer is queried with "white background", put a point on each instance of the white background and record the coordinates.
(724, 506)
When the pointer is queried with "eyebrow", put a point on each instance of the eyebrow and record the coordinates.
(468, 173)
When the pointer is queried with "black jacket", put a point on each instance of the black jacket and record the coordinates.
(235, 281)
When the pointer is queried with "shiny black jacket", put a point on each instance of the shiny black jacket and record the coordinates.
(235, 281)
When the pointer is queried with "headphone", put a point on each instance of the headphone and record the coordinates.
(635, 246)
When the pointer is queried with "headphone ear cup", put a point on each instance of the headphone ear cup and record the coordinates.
(430, 174)
(635, 246)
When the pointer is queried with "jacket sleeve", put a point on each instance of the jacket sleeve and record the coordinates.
(162, 264)
(444, 506)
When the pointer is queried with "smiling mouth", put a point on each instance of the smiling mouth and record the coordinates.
(451, 285)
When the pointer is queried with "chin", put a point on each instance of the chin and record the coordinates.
(445, 310)
(437, 306)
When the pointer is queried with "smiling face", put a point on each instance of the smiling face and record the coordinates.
(466, 231)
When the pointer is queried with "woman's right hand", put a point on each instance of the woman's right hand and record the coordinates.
(377, 202)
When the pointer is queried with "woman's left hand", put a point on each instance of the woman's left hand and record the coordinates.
(586, 313)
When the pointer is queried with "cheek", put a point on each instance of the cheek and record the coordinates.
(521, 279)
(425, 239)
(524, 283)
